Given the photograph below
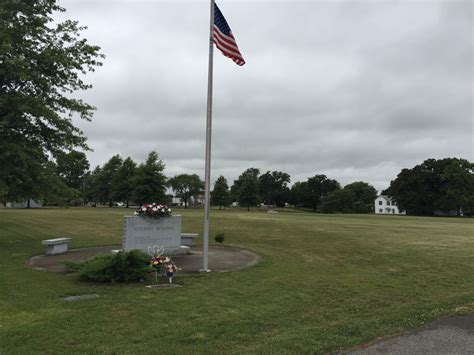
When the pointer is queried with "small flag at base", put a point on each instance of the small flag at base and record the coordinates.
(224, 39)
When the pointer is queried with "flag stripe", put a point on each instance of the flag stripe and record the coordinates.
(224, 47)
(223, 38)
(237, 60)
(230, 42)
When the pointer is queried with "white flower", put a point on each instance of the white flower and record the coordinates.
(143, 209)
(154, 209)
(136, 213)
(169, 209)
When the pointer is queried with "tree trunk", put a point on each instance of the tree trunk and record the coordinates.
(248, 208)
(220, 207)
(185, 204)
(127, 203)
(28, 203)
(110, 203)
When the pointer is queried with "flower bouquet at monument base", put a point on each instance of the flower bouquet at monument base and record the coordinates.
(157, 262)
(153, 210)
(162, 264)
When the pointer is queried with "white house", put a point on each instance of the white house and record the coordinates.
(385, 205)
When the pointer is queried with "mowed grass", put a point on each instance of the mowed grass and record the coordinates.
(326, 282)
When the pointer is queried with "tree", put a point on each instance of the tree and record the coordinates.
(357, 197)
(435, 185)
(72, 167)
(92, 185)
(122, 182)
(186, 186)
(274, 188)
(220, 194)
(457, 187)
(317, 187)
(22, 177)
(364, 195)
(338, 201)
(234, 190)
(248, 192)
(42, 64)
(105, 180)
(246, 188)
(298, 193)
(55, 191)
(149, 181)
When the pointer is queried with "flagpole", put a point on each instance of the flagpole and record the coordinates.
(205, 249)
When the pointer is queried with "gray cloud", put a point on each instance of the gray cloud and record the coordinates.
(357, 90)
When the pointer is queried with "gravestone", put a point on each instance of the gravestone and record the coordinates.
(143, 232)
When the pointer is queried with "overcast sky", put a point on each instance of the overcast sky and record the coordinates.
(356, 90)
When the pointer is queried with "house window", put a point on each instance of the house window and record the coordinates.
(388, 203)
(380, 203)
(380, 210)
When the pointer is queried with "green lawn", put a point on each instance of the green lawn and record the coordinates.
(325, 282)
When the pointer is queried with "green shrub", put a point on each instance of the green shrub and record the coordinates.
(72, 266)
(121, 267)
(219, 238)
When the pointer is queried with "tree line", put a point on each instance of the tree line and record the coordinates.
(318, 193)
(444, 185)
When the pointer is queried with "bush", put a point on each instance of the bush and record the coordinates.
(72, 266)
(219, 238)
(121, 267)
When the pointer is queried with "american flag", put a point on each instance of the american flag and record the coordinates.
(224, 39)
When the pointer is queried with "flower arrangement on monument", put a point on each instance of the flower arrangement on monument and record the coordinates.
(153, 210)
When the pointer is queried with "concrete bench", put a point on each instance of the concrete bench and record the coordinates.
(187, 239)
(56, 246)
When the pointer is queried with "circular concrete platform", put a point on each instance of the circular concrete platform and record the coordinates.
(221, 259)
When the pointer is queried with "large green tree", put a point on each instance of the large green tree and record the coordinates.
(22, 169)
(435, 185)
(72, 168)
(316, 187)
(246, 188)
(42, 63)
(92, 185)
(248, 192)
(298, 193)
(55, 190)
(186, 186)
(357, 197)
(149, 181)
(105, 180)
(364, 195)
(220, 193)
(122, 181)
(274, 188)
(341, 201)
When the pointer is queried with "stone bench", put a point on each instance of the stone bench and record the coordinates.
(187, 239)
(56, 246)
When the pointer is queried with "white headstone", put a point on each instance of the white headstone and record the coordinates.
(143, 232)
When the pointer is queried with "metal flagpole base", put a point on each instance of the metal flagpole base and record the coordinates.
(207, 270)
